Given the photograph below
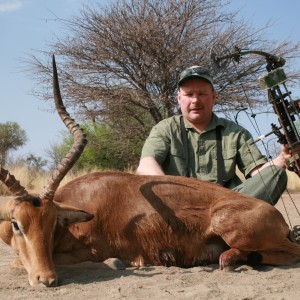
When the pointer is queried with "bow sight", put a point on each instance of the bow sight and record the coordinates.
(278, 95)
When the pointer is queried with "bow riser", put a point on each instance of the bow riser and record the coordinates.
(286, 109)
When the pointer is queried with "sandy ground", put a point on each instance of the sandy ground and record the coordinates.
(94, 282)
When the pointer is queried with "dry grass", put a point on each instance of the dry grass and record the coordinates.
(293, 181)
(34, 182)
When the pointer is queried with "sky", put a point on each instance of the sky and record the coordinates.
(30, 25)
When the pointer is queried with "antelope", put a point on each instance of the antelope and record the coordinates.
(141, 220)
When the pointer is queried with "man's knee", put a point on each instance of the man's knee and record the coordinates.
(282, 179)
(277, 183)
(267, 185)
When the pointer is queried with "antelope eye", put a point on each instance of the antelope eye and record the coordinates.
(15, 225)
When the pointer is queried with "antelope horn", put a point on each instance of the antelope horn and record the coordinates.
(13, 185)
(75, 151)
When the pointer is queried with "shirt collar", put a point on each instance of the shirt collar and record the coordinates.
(215, 121)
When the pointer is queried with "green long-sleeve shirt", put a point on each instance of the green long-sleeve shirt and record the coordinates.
(165, 145)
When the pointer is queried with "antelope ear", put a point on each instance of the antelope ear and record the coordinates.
(67, 214)
(6, 208)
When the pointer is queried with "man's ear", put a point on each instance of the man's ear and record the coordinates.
(214, 97)
(179, 96)
(67, 215)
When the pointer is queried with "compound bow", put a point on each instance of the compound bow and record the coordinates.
(285, 108)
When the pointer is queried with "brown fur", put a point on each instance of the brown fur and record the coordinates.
(164, 220)
(156, 220)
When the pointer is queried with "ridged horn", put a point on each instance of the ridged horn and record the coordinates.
(75, 151)
(13, 185)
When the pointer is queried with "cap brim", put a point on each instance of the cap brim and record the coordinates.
(195, 76)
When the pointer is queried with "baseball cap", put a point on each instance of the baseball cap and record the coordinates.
(195, 72)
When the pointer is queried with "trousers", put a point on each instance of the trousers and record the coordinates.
(267, 185)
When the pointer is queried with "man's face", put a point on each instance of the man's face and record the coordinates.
(197, 98)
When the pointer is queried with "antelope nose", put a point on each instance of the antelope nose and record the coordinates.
(51, 281)
(44, 280)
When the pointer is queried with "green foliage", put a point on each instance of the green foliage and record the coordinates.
(11, 138)
(35, 163)
(105, 149)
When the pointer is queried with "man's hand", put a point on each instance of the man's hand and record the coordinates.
(281, 160)
(283, 157)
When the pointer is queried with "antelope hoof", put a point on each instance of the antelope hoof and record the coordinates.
(115, 264)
